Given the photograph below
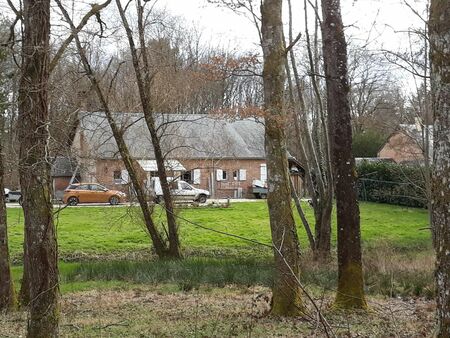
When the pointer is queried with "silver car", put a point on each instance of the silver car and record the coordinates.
(13, 197)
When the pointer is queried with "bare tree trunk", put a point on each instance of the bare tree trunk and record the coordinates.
(439, 33)
(34, 170)
(143, 79)
(286, 292)
(7, 294)
(303, 218)
(350, 292)
(157, 240)
(318, 176)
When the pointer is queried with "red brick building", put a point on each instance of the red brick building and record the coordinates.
(211, 153)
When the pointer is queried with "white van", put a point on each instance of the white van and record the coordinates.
(180, 190)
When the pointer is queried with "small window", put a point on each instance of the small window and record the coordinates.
(235, 175)
(117, 177)
(224, 175)
(196, 179)
(187, 176)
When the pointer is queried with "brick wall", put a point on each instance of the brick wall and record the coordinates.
(227, 188)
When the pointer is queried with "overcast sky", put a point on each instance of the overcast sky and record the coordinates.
(383, 22)
(223, 26)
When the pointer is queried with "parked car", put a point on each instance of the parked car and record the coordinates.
(180, 191)
(13, 196)
(91, 193)
(259, 188)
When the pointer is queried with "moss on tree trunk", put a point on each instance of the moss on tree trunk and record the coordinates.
(350, 292)
(34, 171)
(286, 299)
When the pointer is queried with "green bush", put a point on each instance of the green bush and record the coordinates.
(391, 183)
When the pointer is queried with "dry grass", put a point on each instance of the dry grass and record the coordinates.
(218, 312)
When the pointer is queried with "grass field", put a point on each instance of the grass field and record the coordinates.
(115, 232)
(102, 245)
(112, 284)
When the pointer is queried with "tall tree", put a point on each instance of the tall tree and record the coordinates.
(286, 291)
(439, 33)
(144, 82)
(34, 170)
(350, 291)
(118, 134)
(313, 147)
(7, 296)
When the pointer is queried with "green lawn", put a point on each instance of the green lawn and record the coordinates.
(117, 231)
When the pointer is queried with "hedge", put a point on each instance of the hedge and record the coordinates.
(391, 183)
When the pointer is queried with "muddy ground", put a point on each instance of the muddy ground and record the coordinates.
(143, 311)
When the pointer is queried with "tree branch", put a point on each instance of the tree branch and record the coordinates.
(94, 11)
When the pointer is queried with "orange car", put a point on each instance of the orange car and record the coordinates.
(91, 193)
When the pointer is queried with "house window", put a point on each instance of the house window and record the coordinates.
(117, 177)
(196, 179)
(240, 175)
(224, 175)
(263, 172)
(235, 175)
(187, 176)
(221, 175)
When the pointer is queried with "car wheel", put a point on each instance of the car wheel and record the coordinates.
(114, 200)
(72, 201)
(20, 201)
(263, 196)
(202, 198)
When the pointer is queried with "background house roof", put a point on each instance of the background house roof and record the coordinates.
(183, 136)
(63, 167)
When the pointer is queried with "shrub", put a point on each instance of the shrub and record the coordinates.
(391, 183)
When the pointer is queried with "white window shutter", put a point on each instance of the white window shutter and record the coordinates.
(242, 174)
(196, 179)
(219, 174)
(125, 177)
(263, 172)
